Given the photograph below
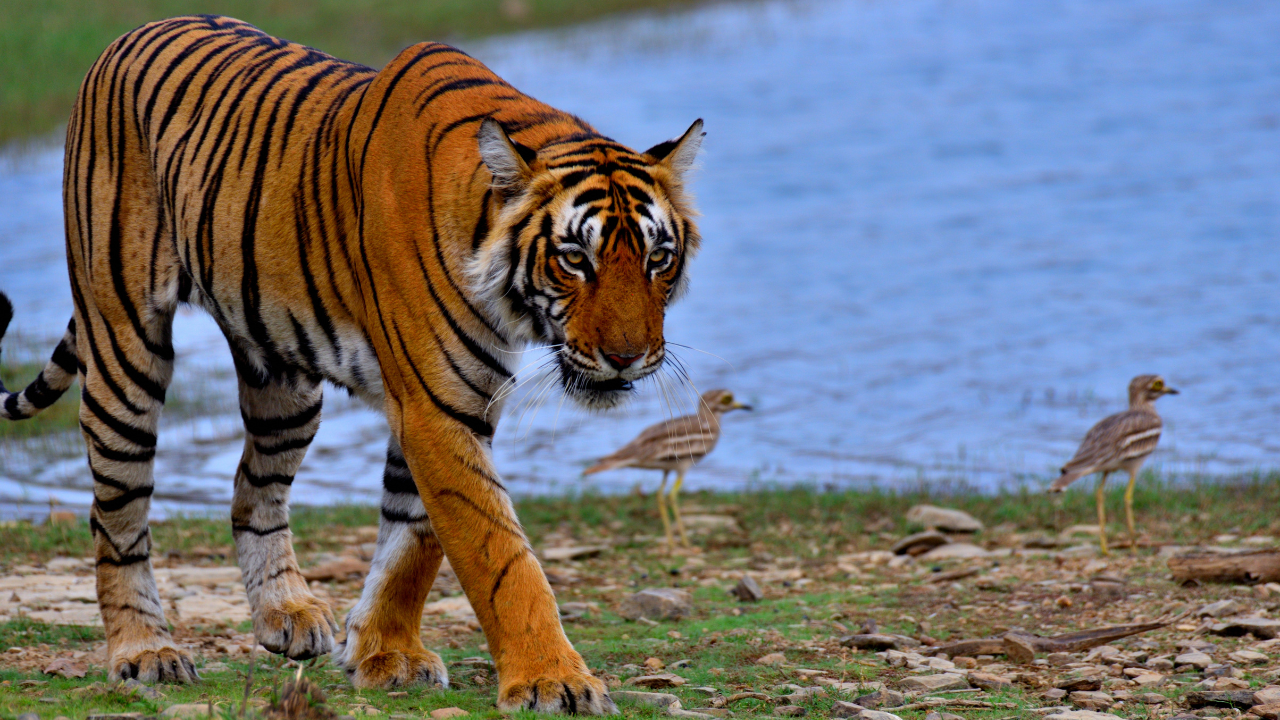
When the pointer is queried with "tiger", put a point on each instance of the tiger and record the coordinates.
(400, 233)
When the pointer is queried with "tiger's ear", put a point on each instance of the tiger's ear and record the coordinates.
(507, 160)
(679, 154)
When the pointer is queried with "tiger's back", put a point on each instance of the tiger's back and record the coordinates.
(400, 233)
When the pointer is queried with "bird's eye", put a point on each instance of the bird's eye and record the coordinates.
(725, 400)
(575, 257)
(658, 256)
(1157, 385)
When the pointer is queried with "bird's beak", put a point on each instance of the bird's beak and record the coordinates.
(740, 406)
(1170, 391)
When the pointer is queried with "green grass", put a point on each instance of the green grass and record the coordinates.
(46, 47)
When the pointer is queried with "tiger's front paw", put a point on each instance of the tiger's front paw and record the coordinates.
(300, 628)
(577, 694)
(164, 663)
(397, 668)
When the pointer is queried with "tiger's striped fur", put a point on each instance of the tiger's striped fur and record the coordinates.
(399, 233)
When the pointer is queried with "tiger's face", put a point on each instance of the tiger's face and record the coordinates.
(590, 248)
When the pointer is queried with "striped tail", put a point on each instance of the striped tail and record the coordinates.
(56, 377)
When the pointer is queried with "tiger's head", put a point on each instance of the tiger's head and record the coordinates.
(590, 245)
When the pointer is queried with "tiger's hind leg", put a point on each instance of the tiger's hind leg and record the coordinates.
(123, 387)
(281, 416)
(383, 647)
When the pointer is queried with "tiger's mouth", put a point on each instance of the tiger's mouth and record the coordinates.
(589, 392)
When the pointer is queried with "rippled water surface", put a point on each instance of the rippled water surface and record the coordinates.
(939, 238)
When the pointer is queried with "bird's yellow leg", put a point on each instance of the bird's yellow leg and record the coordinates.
(675, 507)
(1128, 511)
(662, 510)
(1102, 513)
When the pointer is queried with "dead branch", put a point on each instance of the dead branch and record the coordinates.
(1249, 567)
(1067, 642)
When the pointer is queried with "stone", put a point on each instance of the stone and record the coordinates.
(955, 551)
(790, 711)
(747, 590)
(1082, 715)
(657, 681)
(1079, 683)
(842, 709)
(919, 543)
(1054, 694)
(1269, 695)
(1222, 608)
(340, 569)
(1019, 650)
(659, 700)
(1220, 698)
(1195, 658)
(1248, 657)
(880, 698)
(67, 668)
(933, 683)
(28, 716)
(187, 710)
(988, 681)
(878, 641)
(776, 658)
(879, 715)
(449, 712)
(691, 715)
(1266, 712)
(1149, 679)
(944, 519)
(221, 609)
(1150, 699)
(454, 608)
(1091, 700)
(561, 554)
(1261, 628)
(657, 604)
(114, 716)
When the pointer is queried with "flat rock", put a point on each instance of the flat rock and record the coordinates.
(226, 609)
(455, 608)
(658, 700)
(207, 576)
(1222, 608)
(1220, 698)
(919, 543)
(790, 711)
(1019, 650)
(1195, 658)
(1091, 700)
(187, 710)
(1150, 698)
(879, 715)
(747, 590)
(933, 683)
(988, 681)
(693, 715)
(842, 709)
(67, 668)
(954, 551)
(1266, 712)
(657, 681)
(1082, 715)
(946, 519)
(712, 522)
(340, 569)
(657, 604)
(1261, 628)
(1248, 657)
(878, 641)
(449, 712)
(776, 658)
(561, 554)
(1269, 695)
(880, 698)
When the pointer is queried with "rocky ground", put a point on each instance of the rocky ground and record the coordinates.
(748, 622)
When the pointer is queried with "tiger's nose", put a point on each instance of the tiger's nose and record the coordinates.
(622, 362)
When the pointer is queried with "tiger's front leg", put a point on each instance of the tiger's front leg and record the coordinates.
(383, 647)
(473, 517)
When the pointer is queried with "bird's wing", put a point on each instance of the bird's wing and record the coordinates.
(1120, 437)
(682, 437)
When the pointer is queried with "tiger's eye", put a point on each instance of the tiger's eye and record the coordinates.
(575, 257)
(657, 256)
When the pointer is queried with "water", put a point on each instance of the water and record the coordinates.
(939, 238)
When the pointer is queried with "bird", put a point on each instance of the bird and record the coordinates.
(677, 444)
(1119, 442)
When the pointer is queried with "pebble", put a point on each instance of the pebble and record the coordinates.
(658, 700)
(776, 658)
(657, 604)
(790, 711)
(187, 710)
(449, 712)
(1195, 658)
(934, 683)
